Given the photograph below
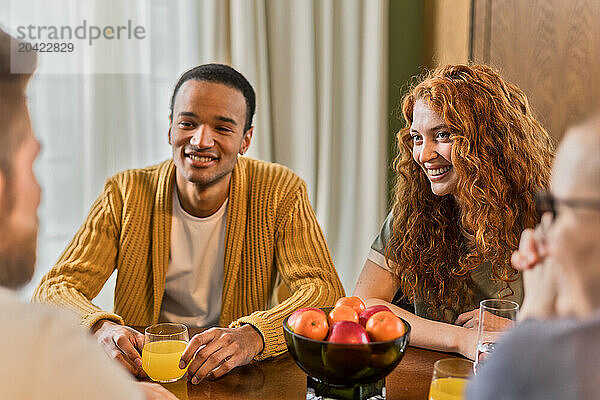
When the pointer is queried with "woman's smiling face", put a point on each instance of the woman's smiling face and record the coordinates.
(432, 148)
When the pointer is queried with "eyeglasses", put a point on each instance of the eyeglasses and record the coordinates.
(547, 202)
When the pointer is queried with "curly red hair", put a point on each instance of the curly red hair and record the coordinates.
(501, 155)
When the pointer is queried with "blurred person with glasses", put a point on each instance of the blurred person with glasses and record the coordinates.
(555, 353)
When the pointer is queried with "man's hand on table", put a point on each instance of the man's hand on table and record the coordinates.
(153, 391)
(216, 351)
(121, 343)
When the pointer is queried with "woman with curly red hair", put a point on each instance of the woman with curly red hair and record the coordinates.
(471, 159)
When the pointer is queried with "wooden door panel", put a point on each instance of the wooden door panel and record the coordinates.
(549, 48)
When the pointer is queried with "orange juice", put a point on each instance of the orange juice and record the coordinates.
(161, 359)
(448, 389)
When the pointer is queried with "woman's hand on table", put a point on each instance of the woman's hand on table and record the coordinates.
(153, 391)
(216, 351)
(468, 319)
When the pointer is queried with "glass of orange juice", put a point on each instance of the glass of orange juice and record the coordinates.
(449, 380)
(163, 346)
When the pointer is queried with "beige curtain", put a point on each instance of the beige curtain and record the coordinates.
(319, 70)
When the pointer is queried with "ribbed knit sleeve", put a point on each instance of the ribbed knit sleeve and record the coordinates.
(303, 260)
(87, 262)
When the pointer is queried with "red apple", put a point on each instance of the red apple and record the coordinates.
(294, 316)
(348, 332)
(365, 315)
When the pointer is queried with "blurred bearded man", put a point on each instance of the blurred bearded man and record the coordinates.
(41, 348)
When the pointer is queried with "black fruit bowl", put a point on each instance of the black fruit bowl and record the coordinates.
(346, 364)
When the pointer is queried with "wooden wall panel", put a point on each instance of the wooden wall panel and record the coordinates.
(480, 24)
(446, 34)
(549, 48)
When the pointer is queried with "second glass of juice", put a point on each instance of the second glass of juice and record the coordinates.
(163, 346)
(449, 380)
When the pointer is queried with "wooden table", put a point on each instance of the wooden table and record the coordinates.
(281, 378)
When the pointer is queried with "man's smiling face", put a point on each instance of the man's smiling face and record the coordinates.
(207, 131)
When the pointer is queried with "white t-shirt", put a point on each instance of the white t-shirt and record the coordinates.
(194, 281)
(47, 355)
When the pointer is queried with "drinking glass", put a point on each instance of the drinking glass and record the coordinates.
(496, 316)
(163, 346)
(449, 379)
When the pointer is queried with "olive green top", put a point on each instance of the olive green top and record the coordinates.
(485, 286)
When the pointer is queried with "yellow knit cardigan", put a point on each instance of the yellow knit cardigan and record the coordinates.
(271, 231)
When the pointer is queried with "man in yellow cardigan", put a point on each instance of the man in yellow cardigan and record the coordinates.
(200, 239)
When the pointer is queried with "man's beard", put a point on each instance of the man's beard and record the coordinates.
(17, 260)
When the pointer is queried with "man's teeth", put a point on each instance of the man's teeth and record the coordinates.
(200, 159)
(439, 171)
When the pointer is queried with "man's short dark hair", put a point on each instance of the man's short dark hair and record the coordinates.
(224, 74)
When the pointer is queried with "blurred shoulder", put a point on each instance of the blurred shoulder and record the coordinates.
(55, 357)
(536, 360)
(33, 318)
